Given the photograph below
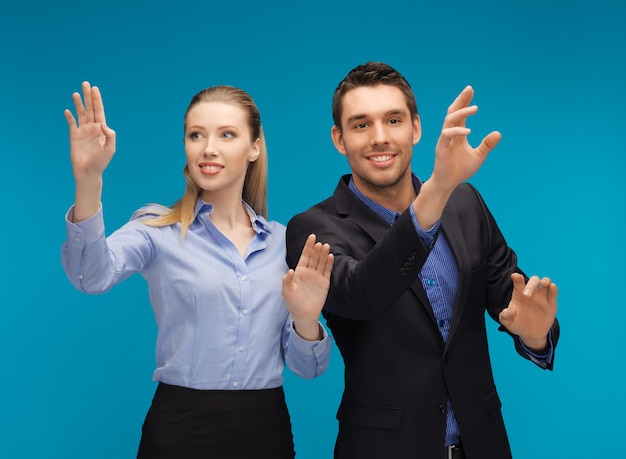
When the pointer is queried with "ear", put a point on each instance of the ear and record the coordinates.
(255, 151)
(417, 129)
(337, 135)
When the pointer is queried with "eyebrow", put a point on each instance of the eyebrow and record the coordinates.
(225, 126)
(361, 116)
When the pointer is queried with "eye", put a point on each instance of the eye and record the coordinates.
(360, 126)
(228, 135)
(194, 135)
(394, 121)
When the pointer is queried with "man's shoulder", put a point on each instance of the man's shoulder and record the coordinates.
(464, 194)
(316, 213)
(325, 206)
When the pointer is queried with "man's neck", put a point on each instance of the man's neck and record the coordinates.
(396, 197)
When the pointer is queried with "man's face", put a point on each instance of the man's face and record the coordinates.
(377, 135)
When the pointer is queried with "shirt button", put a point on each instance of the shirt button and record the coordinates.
(245, 312)
(241, 348)
(441, 322)
(80, 276)
(243, 277)
(76, 239)
(235, 383)
(430, 282)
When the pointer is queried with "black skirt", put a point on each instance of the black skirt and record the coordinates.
(185, 423)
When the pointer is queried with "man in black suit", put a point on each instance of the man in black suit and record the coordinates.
(417, 264)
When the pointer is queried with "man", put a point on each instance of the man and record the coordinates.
(416, 266)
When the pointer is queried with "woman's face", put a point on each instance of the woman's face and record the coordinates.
(218, 147)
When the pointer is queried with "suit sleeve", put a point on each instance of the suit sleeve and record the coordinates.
(501, 263)
(367, 276)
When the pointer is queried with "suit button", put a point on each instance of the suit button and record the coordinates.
(442, 409)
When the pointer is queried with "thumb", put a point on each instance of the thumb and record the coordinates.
(489, 143)
(108, 132)
(288, 279)
(506, 316)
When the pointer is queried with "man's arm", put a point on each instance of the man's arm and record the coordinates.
(368, 275)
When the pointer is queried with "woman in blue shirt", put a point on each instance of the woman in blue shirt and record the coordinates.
(228, 310)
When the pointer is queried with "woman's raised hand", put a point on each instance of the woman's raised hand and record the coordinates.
(92, 145)
(92, 142)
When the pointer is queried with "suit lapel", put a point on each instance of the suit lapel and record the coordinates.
(348, 204)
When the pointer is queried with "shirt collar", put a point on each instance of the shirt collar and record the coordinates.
(387, 215)
(259, 223)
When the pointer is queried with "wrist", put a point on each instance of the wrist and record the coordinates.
(429, 204)
(308, 330)
(535, 345)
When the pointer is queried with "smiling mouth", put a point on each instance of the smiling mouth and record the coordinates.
(211, 167)
(380, 158)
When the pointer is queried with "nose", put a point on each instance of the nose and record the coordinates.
(209, 147)
(379, 134)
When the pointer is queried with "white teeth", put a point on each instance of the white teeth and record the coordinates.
(211, 168)
(380, 159)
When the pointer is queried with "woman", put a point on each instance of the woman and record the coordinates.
(214, 266)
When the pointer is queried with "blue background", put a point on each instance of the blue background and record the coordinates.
(76, 370)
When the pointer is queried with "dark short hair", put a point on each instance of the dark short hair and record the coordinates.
(371, 74)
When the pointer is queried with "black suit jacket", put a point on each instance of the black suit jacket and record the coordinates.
(399, 373)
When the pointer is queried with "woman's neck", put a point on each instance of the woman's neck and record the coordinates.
(232, 219)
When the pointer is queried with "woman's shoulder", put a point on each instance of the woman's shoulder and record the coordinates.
(150, 211)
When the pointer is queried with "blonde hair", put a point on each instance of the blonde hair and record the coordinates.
(255, 184)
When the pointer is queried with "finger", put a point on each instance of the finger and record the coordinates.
(324, 252)
(87, 95)
(307, 251)
(71, 122)
(462, 100)
(98, 105)
(459, 117)
(532, 285)
(518, 282)
(328, 267)
(453, 132)
(553, 292)
(545, 282)
(80, 108)
(448, 135)
(315, 260)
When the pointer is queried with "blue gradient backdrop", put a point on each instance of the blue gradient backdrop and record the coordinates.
(76, 370)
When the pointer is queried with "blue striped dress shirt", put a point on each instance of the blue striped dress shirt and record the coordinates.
(439, 277)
